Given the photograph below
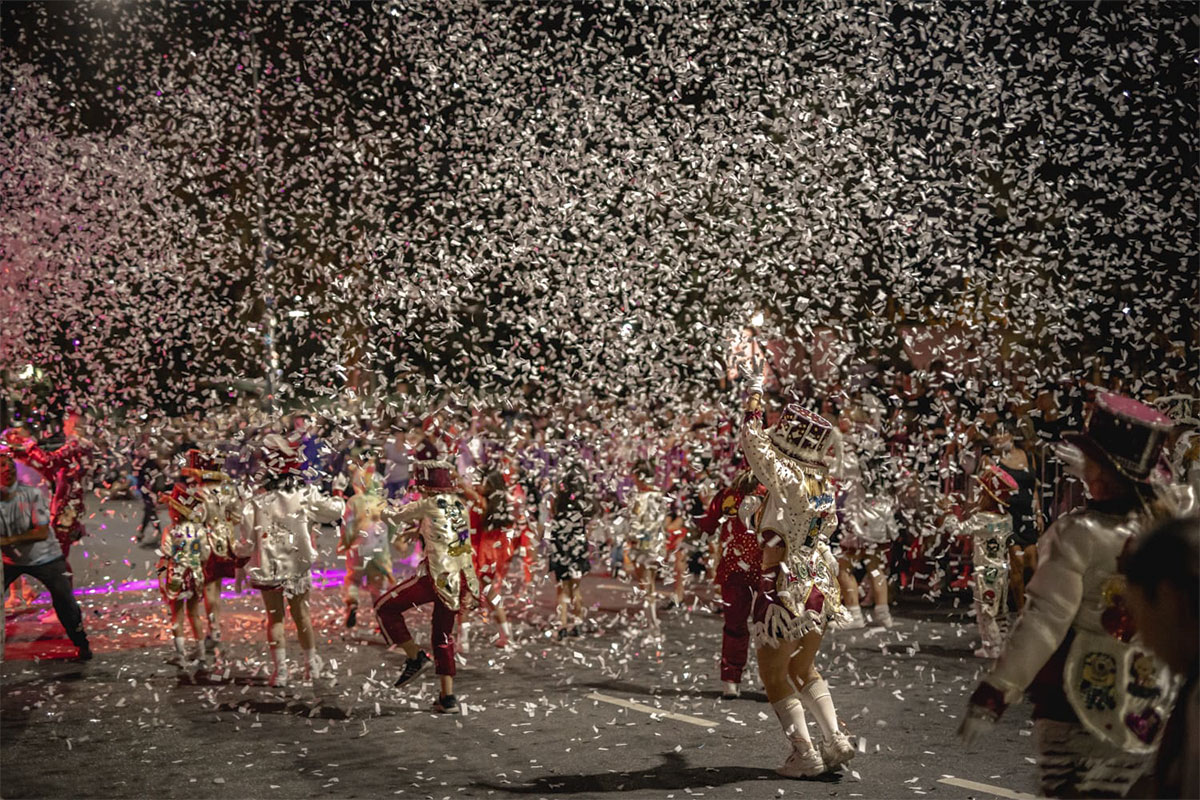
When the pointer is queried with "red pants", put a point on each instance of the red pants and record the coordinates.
(417, 591)
(737, 597)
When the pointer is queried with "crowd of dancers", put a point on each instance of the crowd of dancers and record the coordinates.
(797, 519)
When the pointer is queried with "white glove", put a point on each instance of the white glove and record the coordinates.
(1072, 458)
(754, 370)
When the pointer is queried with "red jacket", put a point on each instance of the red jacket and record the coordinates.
(740, 552)
(66, 468)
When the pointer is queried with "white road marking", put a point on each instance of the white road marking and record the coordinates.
(997, 791)
(658, 712)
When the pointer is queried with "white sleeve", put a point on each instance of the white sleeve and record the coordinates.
(244, 529)
(1052, 599)
(766, 464)
(418, 509)
(321, 508)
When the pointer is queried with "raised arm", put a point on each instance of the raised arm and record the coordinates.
(771, 470)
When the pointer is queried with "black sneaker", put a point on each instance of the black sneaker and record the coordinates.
(413, 667)
(352, 617)
(446, 704)
(85, 652)
(563, 633)
(573, 632)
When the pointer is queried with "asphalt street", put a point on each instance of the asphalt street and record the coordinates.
(602, 714)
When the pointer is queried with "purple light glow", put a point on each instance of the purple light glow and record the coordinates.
(322, 579)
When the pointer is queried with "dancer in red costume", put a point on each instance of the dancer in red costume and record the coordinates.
(739, 569)
(218, 505)
(492, 543)
(445, 578)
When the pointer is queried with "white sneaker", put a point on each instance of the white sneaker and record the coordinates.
(853, 624)
(837, 752)
(883, 617)
(806, 763)
(987, 652)
(730, 690)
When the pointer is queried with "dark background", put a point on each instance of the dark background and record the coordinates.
(584, 202)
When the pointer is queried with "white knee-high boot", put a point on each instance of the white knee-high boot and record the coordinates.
(804, 761)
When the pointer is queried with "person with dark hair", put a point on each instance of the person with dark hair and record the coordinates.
(739, 560)
(1025, 510)
(571, 511)
(1099, 697)
(1163, 573)
(150, 481)
(492, 543)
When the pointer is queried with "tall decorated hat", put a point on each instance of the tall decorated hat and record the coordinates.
(434, 476)
(1125, 433)
(803, 437)
(202, 467)
(997, 483)
(183, 504)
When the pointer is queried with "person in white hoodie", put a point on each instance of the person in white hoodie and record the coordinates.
(276, 534)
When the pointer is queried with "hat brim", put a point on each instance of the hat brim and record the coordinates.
(991, 494)
(1096, 453)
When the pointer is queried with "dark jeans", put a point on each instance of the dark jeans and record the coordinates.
(57, 580)
(149, 514)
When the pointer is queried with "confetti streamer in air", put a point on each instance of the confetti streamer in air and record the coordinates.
(554, 208)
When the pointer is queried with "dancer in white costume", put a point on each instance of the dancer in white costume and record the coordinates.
(798, 592)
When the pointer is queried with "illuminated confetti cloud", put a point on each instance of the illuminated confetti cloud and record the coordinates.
(560, 207)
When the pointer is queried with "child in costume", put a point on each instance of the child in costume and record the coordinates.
(567, 525)
(739, 563)
(276, 535)
(646, 539)
(217, 509)
(182, 554)
(798, 591)
(492, 544)
(446, 577)
(1099, 695)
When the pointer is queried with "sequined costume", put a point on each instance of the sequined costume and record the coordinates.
(1100, 697)
(990, 533)
(647, 532)
(220, 512)
(182, 553)
(446, 576)
(801, 594)
(366, 542)
(738, 571)
(276, 533)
